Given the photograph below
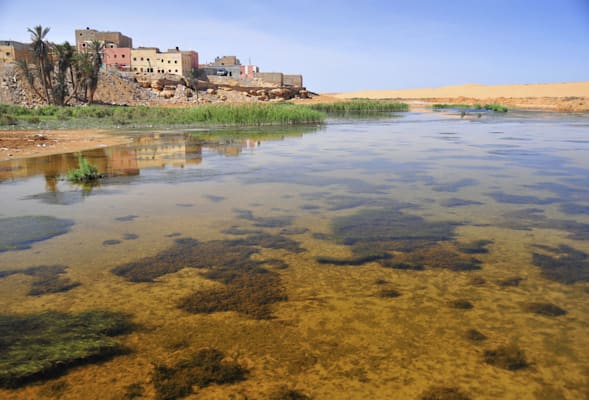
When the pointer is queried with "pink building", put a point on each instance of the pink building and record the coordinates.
(248, 71)
(117, 57)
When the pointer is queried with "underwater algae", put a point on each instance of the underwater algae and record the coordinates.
(285, 393)
(44, 345)
(443, 393)
(19, 233)
(203, 368)
(509, 357)
(564, 264)
(546, 309)
(47, 279)
(248, 288)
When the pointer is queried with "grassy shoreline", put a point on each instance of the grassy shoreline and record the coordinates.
(254, 114)
(487, 107)
(18, 117)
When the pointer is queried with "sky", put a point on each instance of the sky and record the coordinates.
(344, 45)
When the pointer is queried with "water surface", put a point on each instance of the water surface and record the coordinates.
(367, 237)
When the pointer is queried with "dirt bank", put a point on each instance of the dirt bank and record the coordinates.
(34, 143)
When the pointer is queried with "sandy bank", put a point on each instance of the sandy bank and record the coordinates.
(572, 96)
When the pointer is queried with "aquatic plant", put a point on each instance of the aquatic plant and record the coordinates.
(406, 266)
(354, 261)
(18, 233)
(546, 309)
(39, 346)
(133, 391)
(188, 253)
(356, 106)
(206, 367)
(477, 281)
(251, 293)
(475, 336)
(514, 281)
(389, 293)
(476, 247)
(443, 393)
(568, 266)
(509, 357)
(385, 225)
(85, 173)
(461, 304)
(286, 393)
(489, 107)
(47, 279)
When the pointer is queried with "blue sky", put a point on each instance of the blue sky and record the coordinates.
(345, 45)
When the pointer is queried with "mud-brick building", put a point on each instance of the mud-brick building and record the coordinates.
(118, 58)
(174, 61)
(84, 37)
(11, 51)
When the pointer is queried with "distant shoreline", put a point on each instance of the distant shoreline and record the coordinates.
(571, 97)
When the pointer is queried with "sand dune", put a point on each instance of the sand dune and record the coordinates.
(572, 96)
(574, 89)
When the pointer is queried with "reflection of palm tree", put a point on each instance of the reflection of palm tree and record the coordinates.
(51, 183)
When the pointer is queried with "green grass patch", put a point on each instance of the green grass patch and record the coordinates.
(358, 106)
(488, 107)
(142, 116)
(44, 345)
(85, 173)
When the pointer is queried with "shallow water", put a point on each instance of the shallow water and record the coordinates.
(350, 327)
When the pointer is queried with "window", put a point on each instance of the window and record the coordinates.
(175, 61)
(169, 70)
(134, 58)
(147, 58)
(7, 54)
(114, 55)
(122, 56)
(169, 61)
(176, 71)
(141, 58)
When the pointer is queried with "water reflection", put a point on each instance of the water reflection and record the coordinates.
(149, 150)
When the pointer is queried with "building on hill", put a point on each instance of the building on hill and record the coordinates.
(118, 58)
(144, 59)
(224, 66)
(11, 51)
(248, 71)
(226, 61)
(173, 61)
(110, 39)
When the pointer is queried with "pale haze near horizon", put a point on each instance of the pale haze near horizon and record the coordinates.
(345, 45)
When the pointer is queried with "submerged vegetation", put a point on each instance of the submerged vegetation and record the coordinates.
(206, 367)
(144, 116)
(247, 287)
(546, 309)
(40, 346)
(478, 107)
(47, 279)
(443, 393)
(509, 357)
(18, 233)
(567, 265)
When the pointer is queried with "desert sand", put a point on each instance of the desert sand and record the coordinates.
(573, 96)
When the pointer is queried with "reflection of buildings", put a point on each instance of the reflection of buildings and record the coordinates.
(148, 151)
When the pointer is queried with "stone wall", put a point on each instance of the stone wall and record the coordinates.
(293, 80)
(276, 78)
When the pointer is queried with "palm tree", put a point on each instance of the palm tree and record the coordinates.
(41, 55)
(96, 54)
